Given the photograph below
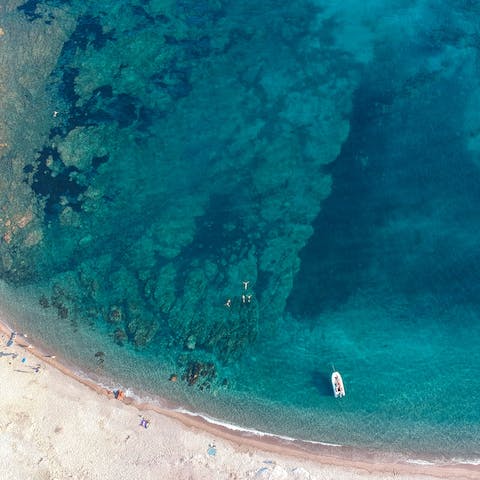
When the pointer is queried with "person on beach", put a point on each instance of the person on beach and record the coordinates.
(212, 449)
(118, 394)
(12, 339)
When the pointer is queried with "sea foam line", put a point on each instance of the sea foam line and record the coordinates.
(419, 461)
(464, 461)
(453, 461)
(252, 431)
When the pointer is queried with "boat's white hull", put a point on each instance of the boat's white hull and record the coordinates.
(337, 385)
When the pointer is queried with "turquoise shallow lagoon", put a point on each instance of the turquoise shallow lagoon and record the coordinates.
(159, 155)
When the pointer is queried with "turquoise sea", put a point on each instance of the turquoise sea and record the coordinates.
(239, 195)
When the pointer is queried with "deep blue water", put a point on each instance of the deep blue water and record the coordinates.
(328, 155)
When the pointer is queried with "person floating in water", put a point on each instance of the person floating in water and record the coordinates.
(245, 285)
(228, 303)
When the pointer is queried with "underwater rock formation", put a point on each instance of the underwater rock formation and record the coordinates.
(21, 223)
(172, 170)
(31, 51)
(200, 374)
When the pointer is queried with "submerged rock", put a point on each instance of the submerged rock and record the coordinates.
(141, 329)
(62, 311)
(100, 358)
(82, 144)
(191, 342)
(200, 373)
(120, 337)
(115, 314)
(43, 301)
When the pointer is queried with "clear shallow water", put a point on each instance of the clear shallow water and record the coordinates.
(328, 155)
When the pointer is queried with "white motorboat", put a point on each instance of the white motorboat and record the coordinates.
(337, 385)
